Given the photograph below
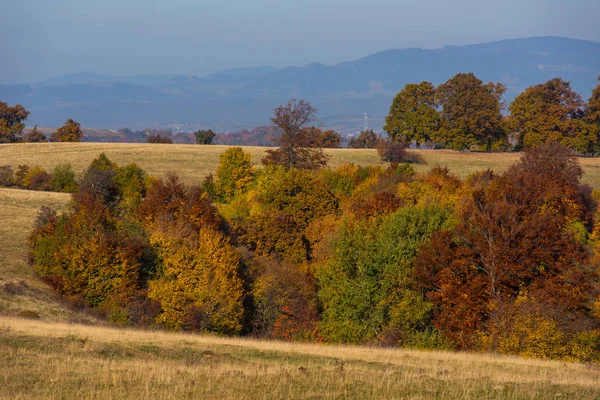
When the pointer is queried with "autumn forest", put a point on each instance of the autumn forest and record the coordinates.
(379, 255)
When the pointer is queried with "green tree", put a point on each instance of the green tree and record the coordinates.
(234, 173)
(11, 122)
(69, 132)
(471, 113)
(366, 287)
(298, 146)
(63, 179)
(413, 114)
(365, 140)
(551, 111)
(205, 137)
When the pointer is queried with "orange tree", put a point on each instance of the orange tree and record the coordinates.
(11, 122)
(69, 132)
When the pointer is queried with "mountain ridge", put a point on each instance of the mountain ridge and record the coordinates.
(245, 97)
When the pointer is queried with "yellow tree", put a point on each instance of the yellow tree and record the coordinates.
(69, 132)
(199, 287)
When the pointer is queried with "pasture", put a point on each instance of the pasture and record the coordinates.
(193, 162)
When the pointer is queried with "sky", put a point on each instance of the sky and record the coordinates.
(40, 39)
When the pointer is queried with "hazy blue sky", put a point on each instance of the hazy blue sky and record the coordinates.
(44, 38)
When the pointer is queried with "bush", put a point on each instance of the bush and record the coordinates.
(7, 176)
(391, 151)
(34, 136)
(159, 139)
(37, 179)
(22, 171)
(63, 179)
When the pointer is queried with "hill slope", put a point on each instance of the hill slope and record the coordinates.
(43, 359)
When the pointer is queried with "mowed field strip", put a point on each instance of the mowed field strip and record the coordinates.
(57, 360)
(193, 162)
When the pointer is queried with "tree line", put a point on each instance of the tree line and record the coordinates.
(466, 113)
(463, 113)
(375, 255)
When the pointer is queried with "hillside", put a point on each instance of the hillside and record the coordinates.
(50, 358)
(243, 98)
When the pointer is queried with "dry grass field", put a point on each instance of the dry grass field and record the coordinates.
(56, 360)
(192, 162)
(49, 355)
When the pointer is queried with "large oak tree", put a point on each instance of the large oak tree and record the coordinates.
(551, 111)
(413, 114)
(471, 113)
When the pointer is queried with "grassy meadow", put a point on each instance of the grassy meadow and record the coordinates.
(46, 353)
(57, 360)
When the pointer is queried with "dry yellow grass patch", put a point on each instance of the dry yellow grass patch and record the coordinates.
(193, 162)
(40, 359)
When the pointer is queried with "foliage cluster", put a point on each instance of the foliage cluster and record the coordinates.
(61, 179)
(385, 256)
(159, 139)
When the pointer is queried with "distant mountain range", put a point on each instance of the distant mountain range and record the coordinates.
(244, 97)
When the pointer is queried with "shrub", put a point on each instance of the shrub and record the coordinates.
(391, 151)
(7, 176)
(159, 139)
(63, 179)
(37, 179)
(22, 171)
(34, 136)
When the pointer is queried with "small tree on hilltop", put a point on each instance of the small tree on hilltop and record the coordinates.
(159, 139)
(69, 132)
(34, 136)
(205, 137)
(366, 140)
(11, 122)
(298, 146)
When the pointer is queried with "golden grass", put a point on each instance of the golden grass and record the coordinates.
(40, 359)
(193, 162)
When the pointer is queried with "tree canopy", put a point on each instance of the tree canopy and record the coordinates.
(69, 132)
(413, 115)
(11, 122)
(298, 146)
(551, 111)
(365, 140)
(205, 137)
(471, 113)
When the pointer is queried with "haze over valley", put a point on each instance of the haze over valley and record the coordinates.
(245, 97)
